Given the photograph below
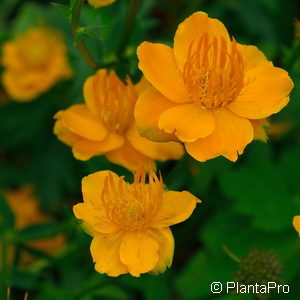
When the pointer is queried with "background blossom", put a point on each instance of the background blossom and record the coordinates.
(34, 62)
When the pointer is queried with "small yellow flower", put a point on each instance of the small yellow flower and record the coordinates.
(130, 222)
(25, 208)
(296, 223)
(210, 91)
(100, 3)
(105, 125)
(33, 63)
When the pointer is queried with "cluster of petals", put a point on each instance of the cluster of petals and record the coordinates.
(208, 91)
(34, 62)
(100, 3)
(130, 222)
(104, 125)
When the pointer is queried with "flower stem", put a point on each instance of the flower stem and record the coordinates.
(75, 17)
(131, 18)
(230, 254)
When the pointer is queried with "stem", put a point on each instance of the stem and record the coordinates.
(75, 27)
(131, 18)
(230, 254)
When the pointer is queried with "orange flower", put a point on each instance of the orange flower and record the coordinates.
(24, 206)
(105, 125)
(210, 91)
(130, 222)
(296, 223)
(33, 63)
(100, 3)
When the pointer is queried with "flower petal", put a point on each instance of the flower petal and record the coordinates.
(252, 56)
(65, 135)
(105, 250)
(192, 29)
(142, 85)
(155, 150)
(165, 240)
(230, 137)
(92, 186)
(90, 92)
(95, 217)
(78, 119)
(296, 223)
(265, 92)
(157, 63)
(139, 252)
(176, 207)
(130, 158)
(85, 149)
(148, 109)
(189, 122)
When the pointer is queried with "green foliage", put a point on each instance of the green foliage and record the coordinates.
(260, 189)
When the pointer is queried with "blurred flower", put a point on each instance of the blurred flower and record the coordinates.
(209, 91)
(33, 63)
(130, 222)
(105, 125)
(296, 223)
(25, 207)
(100, 3)
(279, 129)
(297, 29)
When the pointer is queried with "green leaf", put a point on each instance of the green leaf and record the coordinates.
(110, 292)
(39, 231)
(153, 287)
(259, 189)
(7, 219)
(24, 279)
(18, 122)
(51, 292)
(204, 268)
(63, 9)
(53, 169)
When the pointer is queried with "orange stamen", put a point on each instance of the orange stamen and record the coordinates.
(214, 72)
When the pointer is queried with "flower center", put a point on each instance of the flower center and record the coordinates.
(213, 72)
(35, 48)
(115, 102)
(132, 207)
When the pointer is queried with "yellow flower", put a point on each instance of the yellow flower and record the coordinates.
(130, 222)
(296, 223)
(105, 125)
(100, 3)
(210, 91)
(25, 208)
(33, 63)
